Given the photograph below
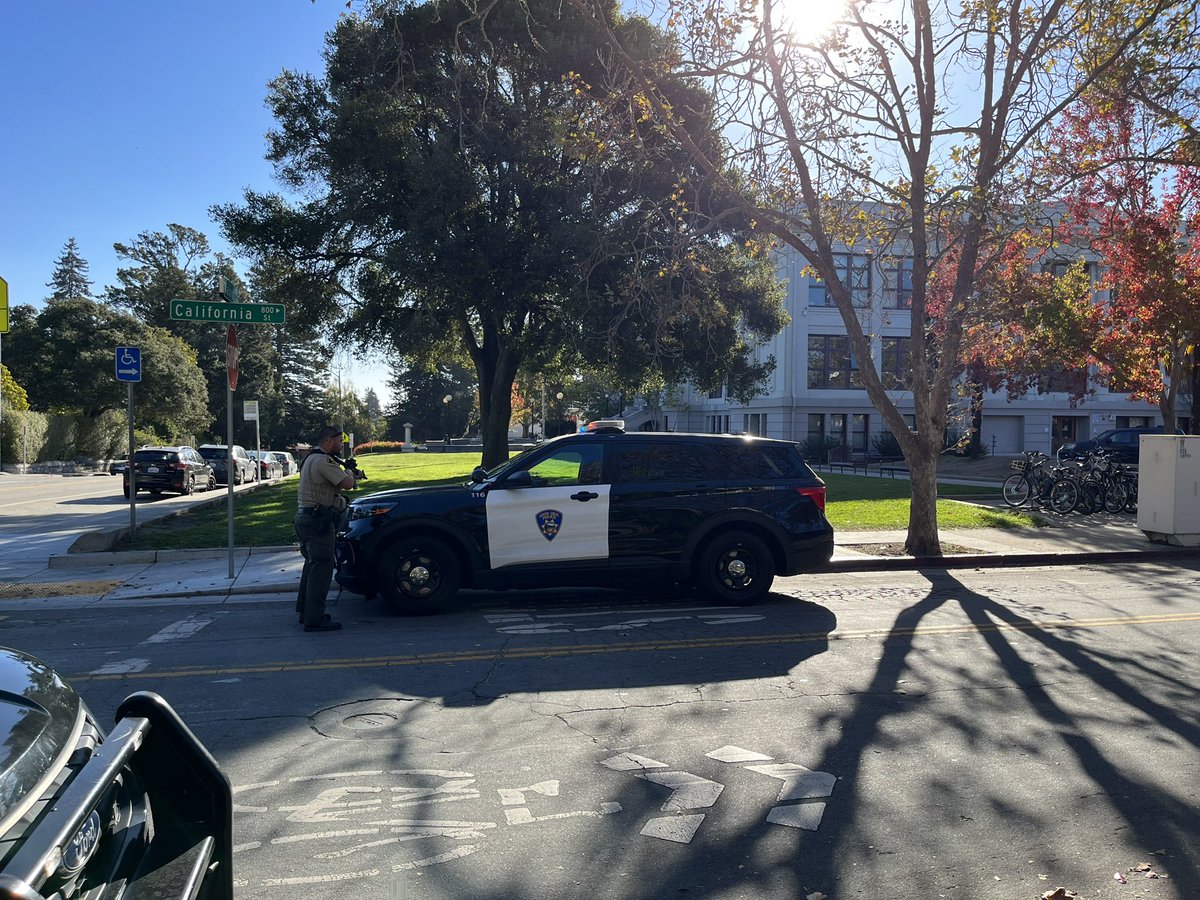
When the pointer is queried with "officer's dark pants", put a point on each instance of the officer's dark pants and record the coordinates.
(318, 535)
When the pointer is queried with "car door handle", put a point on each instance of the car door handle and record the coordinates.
(584, 496)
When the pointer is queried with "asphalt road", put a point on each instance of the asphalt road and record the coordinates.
(974, 734)
(42, 515)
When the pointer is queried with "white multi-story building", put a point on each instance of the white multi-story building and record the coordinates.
(815, 388)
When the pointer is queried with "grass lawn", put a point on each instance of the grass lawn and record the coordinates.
(263, 517)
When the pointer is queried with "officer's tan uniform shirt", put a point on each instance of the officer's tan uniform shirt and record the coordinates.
(319, 480)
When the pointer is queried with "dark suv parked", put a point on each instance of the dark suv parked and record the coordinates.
(723, 513)
(180, 470)
(1125, 443)
(145, 812)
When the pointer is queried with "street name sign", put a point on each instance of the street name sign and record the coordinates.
(229, 313)
(129, 364)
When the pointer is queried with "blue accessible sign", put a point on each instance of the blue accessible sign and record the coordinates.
(129, 364)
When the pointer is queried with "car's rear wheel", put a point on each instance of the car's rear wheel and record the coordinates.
(419, 576)
(189, 485)
(736, 568)
(125, 491)
(212, 483)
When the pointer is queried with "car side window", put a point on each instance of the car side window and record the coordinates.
(1122, 437)
(650, 463)
(569, 466)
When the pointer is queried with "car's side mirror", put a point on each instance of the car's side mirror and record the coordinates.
(520, 478)
(479, 474)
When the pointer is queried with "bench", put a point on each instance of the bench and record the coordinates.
(865, 462)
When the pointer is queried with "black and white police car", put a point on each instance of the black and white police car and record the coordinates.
(606, 507)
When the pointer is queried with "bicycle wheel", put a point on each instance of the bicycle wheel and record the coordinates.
(1131, 490)
(1090, 499)
(1015, 490)
(1064, 496)
(1115, 495)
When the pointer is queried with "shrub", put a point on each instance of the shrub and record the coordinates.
(885, 444)
(816, 449)
(378, 447)
(22, 435)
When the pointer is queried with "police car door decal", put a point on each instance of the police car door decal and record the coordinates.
(547, 524)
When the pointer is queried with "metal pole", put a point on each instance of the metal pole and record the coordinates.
(132, 472)
(229, 464)
(1, 406)
(258, 448)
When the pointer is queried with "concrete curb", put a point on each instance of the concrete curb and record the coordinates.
(149, 557)
(1003, 560)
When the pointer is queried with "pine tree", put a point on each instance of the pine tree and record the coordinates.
(70, 280)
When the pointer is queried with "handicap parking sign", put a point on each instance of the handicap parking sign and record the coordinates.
(129, 364)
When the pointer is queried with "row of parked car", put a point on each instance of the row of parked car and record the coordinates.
(184, 470)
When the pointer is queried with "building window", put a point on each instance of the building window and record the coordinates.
(831, 364)
(854, 273)
(1133, 421)
(895, 365)
(897, 283)
(827, 425)
(858, 432)
(1067, 381)
(755, 424)
(717, 424)
(717, 393)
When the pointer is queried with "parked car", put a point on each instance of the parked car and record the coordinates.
(287, 461)
(1125, 443)
(118, 466)
(180, 470)
(268, 466)
(217, 455)
(723, 513)
(142, 812)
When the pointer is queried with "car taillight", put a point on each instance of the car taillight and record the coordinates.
(815, 494)
(178, 466)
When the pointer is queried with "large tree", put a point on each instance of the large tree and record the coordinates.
(908, 130)
(73, 342)
(69, 278)
(462, 199)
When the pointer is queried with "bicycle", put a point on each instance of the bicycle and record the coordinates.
(1030, 480)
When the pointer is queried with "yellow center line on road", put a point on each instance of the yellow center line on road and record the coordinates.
(543, 652)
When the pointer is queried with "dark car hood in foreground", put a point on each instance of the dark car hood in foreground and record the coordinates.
(38, 715)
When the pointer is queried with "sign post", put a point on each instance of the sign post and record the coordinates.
(250, 414)
(3, 331)
(129, 370)
(231, 368)
(224, 307)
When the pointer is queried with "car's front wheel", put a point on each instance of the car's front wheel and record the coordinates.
(419, 576)
(736, 568)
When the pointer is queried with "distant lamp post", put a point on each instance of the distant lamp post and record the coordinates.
(446, 421)
(558, 413)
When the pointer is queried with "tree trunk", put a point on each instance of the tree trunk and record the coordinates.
(923, 539)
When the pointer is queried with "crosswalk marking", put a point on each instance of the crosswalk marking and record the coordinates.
(178, 631)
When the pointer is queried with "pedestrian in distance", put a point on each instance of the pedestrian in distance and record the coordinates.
(320, 507)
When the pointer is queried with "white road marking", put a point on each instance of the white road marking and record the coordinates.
(456, 853)
(523, 816)
(178, 631)
(731, 754)
(802, 815)
(529, 617)
(680, 829)
(530, 627)
(516, 796)
(627, 762)
(799, 783)
(688, 791)
(122, 667)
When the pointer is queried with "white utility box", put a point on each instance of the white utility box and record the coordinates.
(1169, 488)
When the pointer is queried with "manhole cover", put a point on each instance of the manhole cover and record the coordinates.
(366, 721)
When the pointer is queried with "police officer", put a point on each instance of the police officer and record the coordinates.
(320, 509)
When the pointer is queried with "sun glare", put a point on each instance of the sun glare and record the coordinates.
(808, 19)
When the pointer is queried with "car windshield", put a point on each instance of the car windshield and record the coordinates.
(513, 463)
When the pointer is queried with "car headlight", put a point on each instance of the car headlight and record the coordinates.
(369, 509)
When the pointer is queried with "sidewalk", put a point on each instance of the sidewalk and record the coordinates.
(268, 572)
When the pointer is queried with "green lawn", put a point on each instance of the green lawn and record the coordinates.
(263, 517)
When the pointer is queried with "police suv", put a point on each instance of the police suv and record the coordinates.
(723, 513)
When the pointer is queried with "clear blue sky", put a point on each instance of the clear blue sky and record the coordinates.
(125, 115)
